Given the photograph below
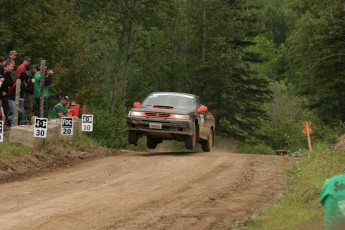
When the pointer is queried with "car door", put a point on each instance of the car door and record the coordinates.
(203, 131)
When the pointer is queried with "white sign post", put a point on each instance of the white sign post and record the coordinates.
(1, 131)
(67, 126)
(41, 127)
(87, 123)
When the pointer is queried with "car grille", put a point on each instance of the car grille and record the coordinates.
(158, 115)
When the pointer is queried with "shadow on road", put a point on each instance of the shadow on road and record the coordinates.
(180, 154)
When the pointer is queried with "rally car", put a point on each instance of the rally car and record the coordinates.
(171, 116)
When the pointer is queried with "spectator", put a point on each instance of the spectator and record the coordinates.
(332, 198)
(60, 109)
(28, 102)
(2, 62)
(22, 67)
(72, 110)
(37, 92)
(7, 81)
(12, 55)
(27, 87)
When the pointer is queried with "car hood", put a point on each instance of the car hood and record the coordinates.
(163, 110)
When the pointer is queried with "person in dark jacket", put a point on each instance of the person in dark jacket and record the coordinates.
(26, 87)
(6, 82)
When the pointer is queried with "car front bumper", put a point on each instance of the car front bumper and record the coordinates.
(164, 128)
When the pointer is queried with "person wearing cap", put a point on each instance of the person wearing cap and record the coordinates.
(37, 92)
(22, 67)
(60, 109)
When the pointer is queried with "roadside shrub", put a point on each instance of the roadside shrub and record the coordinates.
(110, 130)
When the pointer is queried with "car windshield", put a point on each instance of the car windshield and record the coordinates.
(174, 100)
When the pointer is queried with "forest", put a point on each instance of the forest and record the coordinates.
(263, 67)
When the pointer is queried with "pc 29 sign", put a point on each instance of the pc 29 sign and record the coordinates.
(67, 126)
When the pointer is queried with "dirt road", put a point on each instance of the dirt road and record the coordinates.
(144, 191)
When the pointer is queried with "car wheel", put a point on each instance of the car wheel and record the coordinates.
(132, 138)
(207, 145)
(151, 143)
(190, 141)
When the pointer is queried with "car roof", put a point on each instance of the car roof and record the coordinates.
(174, 93)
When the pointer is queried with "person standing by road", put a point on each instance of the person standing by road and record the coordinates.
(37, 92)
(12, 55)
(22, 67)
(6, 82)
(332, 198)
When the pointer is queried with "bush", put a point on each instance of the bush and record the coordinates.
(110, 130)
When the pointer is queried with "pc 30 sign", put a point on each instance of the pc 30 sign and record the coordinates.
(67, 126)
(41, 127)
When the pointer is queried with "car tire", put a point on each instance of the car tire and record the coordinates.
(151, 143)
(207, 145)
(190, 141)
(132, 138)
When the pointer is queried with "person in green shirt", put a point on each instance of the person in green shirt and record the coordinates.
(60, 109)
(332, 198)
(37, 92)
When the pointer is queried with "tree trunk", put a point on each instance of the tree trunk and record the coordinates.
(128, 56)
(117, 72)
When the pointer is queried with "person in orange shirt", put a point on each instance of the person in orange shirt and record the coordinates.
(72, 109)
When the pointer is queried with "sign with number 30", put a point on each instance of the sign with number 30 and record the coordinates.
(41, 127)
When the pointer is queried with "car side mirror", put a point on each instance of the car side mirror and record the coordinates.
(136, 104)
(202, 109)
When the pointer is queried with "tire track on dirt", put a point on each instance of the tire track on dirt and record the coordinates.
(186, 203)
(143, 191)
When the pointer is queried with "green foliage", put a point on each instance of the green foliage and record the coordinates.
(317, 50)
(256, 149)
(110, 130)
(10, 149)
(83, 141)
(283, 129)
(227, 52)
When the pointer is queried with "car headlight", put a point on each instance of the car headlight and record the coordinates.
(180, 117)
(136, 114)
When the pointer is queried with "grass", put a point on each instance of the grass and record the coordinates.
(256, 149)
(299, 208)
(9, 149)
(13, 149)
